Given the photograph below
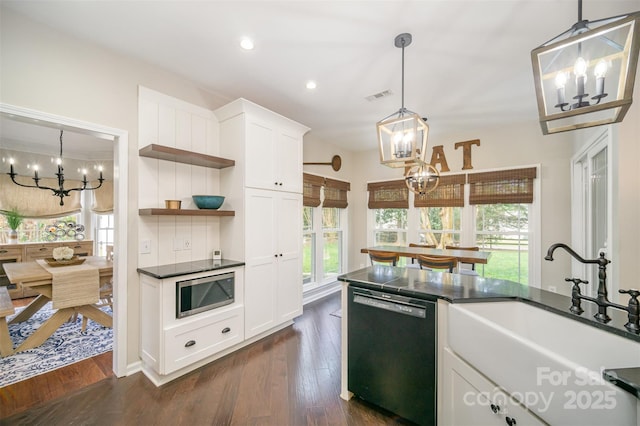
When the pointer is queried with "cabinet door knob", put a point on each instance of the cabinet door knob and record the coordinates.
(510, 421)
(189, 343)
(226, 330)
(495, 408)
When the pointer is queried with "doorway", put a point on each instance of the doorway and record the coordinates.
(591, 208)
(121, 196)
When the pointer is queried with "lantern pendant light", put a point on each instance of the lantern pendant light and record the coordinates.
(402, 136)
(585, 76)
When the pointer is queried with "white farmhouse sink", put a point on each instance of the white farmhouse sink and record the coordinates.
(550, 363)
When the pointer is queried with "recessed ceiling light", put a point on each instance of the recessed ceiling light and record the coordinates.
(246, 43)
(311, 85)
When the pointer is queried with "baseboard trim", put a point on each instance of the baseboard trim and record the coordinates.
(320, 292)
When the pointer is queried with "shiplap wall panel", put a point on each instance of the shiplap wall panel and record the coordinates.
(171, 122)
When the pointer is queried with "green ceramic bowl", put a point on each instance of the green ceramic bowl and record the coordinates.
(208, 201)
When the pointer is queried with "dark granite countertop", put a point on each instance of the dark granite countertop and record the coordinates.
(625, 378)
(187, 268)
(456, 288)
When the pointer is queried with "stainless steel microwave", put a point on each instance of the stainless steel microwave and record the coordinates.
(202, 294)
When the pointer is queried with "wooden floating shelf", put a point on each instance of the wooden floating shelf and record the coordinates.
(176, 155)
(185, 212)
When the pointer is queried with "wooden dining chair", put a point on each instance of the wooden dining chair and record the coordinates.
(413, 259)
(437, 262)
(474, 248)
(383, 257)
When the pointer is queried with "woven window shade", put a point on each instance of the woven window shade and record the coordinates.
(392, 194)
(505, 186)
(335, 193)
(448, 193)
(102, 197)
(311, 189)
(38, 203)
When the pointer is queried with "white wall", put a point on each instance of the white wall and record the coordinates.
(44, 70)
(171, 122)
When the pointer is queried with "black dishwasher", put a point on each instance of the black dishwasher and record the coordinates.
(392, 352)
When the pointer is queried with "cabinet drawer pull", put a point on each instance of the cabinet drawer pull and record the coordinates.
(4, 251)
(189, 343)
(510, 421)
(43, 249)
(226, 330)
(495, 408)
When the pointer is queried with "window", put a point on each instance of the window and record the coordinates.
(55, 229)
(308, 246)
(440, 226)
(503, 229)
(324, 213)
(104, 232)
(332, 242)
(493, 210)
(390, 227)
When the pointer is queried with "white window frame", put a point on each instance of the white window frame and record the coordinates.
(468, 225)
(314, 236)
(100, 245)
(319, 281)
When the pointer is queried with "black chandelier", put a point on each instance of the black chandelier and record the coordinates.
(60, 191)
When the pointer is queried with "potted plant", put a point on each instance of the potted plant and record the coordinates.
(14, 219)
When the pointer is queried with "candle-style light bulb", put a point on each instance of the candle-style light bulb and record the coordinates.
(580, 71)
(561, 82)
(600, 72)
(35, 171)
(396, 139)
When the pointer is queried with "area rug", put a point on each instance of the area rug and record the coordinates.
(67, 345)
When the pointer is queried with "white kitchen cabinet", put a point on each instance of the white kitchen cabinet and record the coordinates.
(469, 398)
(273, 263)
(265, 190)
(273, 155)
(171, 346)
(267, 147)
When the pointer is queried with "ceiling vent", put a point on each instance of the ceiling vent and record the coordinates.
(379, 95)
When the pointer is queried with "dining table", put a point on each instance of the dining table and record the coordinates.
(72, 290)
(463, 256)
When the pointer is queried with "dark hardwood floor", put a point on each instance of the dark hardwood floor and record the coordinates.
(289, 378)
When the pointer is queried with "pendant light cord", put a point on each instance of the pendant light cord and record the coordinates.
(403, 42)
(61, 144)
(579, 10)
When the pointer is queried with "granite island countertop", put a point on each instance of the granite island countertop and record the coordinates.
(457, 288)
(186, 268)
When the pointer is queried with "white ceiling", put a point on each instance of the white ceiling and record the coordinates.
(26, 135)
(468, 67)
